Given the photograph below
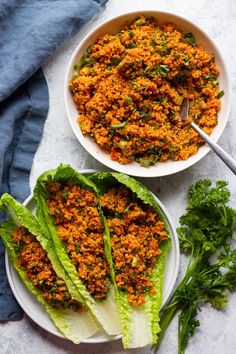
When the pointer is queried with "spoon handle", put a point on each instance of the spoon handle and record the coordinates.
(228, 160)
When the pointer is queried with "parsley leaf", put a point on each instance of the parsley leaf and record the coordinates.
(190, 39)
(205, 234)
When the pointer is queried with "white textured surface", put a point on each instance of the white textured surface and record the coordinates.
(217, 332)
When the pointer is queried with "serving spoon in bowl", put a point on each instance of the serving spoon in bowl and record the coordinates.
(228, 160)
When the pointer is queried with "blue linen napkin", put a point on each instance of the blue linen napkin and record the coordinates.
(31, 30)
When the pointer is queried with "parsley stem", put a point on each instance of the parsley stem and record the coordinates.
(165, 320)
(172, 306)
(205, 235)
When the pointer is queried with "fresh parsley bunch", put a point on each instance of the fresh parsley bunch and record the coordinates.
(206, 235)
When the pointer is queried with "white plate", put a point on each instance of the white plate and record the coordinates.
(36, 311)
(160, 168)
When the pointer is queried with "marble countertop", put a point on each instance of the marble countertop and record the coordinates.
(217, 332)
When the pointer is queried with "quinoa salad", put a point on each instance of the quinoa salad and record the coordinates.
(128, 89)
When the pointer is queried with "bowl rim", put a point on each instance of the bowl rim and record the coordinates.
(142, 171)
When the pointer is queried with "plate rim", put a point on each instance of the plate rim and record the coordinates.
(180, 165)
(12, 273)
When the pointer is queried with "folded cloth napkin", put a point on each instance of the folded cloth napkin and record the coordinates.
(31, 30)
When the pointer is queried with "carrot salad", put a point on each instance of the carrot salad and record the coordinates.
(128, 88)
(33, 259)
(80, 228)
(136, 235)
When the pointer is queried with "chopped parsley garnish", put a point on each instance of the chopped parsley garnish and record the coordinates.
(146, 162)
(119, 126)
(140, 22)
(134, 261)
(115, 60)
(187, 61)
(190, 39)
(128, 100)
(171, 114)
(117, 215)
(144, 115)
(75, 74)
(131, 45)
(156, 126)
(131, 34)
(84, 61)
(162, 70)
(18, 248)
(152, 43)
(212, 80)
(220, 94)
(64, 195)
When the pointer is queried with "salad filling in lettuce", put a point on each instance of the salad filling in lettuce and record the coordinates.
(33, 260)
(79, 226)
(69, 205)
(137, 242)
(22, 236)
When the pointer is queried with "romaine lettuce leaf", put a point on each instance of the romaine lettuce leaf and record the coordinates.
(106, 311)
(139, 324)
(75, 326)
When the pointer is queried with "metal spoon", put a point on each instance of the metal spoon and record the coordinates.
(228, 160)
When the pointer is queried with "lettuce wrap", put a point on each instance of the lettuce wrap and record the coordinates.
(139, 323)
(105, 311)
(76, 326)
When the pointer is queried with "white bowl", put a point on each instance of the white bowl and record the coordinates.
(160, 168)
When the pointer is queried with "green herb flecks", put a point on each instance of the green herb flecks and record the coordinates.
(163, 45)
(64, 195)
(84, 61)
(190, 39)
(115, 60)
(153, 42)
(187, 60)
(144, 116)
(119, 126)
(128, 100)
(132, 45)
(117, 215)
(162, 70)
(220, 94)
(212, 80)
(19, 248)
(140, 22)
(75, 74)
(131, 34)
(145, 162)
(172, 114)
(151, 159)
